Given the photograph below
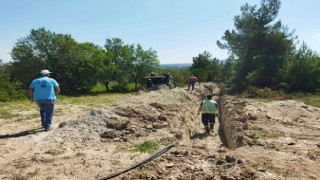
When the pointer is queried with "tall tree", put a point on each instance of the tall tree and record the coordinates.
(304, 70)
(209, 65)
(143, 63)
(259, 46)
(29, 57)
(227, 70)
(120, 56)
(130, 61)
(70, 61)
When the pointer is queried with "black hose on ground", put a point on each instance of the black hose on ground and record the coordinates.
(140, 163)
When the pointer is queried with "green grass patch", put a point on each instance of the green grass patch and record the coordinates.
(7, 108)
(131, 86)
(91, 100)
(312, 100)
(261, 133)
(268, 94)
(113, 88)
(99, 88)
(145, 147)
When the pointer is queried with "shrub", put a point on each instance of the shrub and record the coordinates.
(121, 88)
(10, 90)
(254, 92)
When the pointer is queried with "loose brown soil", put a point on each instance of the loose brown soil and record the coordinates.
(252, 140)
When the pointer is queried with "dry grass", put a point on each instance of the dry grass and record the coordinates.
(25, 110)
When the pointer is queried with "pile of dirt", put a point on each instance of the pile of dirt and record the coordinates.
(252, 140)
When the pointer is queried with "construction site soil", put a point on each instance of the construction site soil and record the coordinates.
(253, 139)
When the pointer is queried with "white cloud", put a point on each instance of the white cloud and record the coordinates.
(317, 35)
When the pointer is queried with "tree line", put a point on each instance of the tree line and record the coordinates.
(76, 66)
(262, 53)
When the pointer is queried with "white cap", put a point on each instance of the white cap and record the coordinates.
(45, 72)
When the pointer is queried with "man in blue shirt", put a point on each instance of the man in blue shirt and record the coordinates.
(43, 91)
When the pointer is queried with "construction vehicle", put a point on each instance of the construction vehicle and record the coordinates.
(154, 81)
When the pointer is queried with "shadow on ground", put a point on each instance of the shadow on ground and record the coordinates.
(24, 133)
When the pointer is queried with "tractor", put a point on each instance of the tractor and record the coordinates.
(154, 81)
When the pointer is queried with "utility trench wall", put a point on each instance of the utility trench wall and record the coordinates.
(234, 121)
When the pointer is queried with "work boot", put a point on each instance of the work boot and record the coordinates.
(48, 129)
(211, 132)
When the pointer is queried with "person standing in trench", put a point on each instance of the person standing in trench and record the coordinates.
(192, 81)
(209, 111)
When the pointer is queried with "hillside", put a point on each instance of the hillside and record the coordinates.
(175, 66)
(252, 140)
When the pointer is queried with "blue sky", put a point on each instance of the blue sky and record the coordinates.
(177, 29)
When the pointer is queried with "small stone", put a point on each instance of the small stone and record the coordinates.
(290, 142)
(169, 165)
(240, 161)
(219, 162)
(149, 126)
(222, 150)
(189, 167)
(230, 159)
(62, 124)
(261, 169)
(178, 135)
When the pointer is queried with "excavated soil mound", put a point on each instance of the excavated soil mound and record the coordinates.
(252, 140)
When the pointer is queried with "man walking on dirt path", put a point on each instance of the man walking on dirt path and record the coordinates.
(209, 110)
(192, 81)
(43, 90)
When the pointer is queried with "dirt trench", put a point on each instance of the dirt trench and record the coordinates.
(252, 140)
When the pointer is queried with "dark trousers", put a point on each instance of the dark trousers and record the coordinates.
(46, 112)
(208, 121)
(192, 86)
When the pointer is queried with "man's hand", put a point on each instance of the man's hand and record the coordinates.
(30, 94)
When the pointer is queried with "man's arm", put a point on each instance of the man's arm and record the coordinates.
(30, 93)
(57, 90)
(200, 108)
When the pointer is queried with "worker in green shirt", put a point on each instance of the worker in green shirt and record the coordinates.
(209, 111)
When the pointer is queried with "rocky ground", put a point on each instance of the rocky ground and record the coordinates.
(252, 140)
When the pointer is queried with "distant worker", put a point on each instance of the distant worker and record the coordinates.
(192, 81)
(166, 78)
(170, 78)
(149, 84)
(209, 110)
(43, 91)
